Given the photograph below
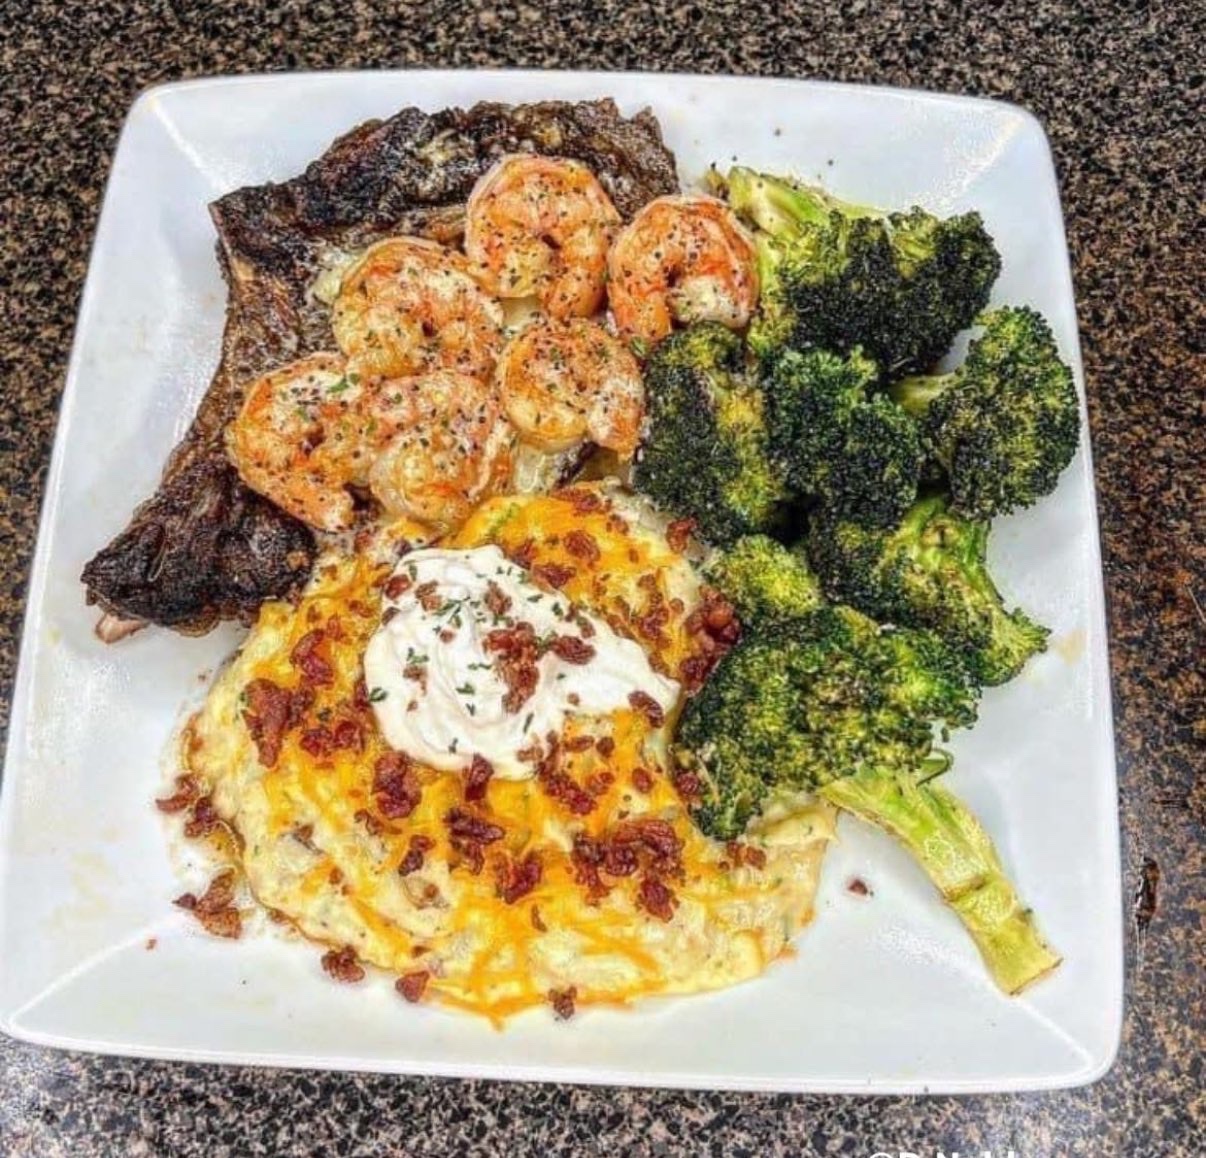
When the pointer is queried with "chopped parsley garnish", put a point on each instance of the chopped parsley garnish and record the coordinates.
(376, 695)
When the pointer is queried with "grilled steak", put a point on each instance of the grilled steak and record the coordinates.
(204, 547)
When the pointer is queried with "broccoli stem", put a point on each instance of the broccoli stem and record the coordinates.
(955, 852)
(916, 393)
(781, 207)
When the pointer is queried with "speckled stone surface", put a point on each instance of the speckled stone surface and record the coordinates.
(1119, 86)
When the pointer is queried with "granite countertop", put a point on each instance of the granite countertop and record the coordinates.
(1119, 87)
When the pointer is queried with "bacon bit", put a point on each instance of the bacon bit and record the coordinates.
(615, 524)
(202, 819)
(335, 629)
(398, 585)
(517, 879)
(416, 851)
(416, 672)
(532, 754)
(215, 910)
(579, 743)
(644, 703)
(396, 785)
(605, 746)
(587, 858)
(518, 652)
(361, 704)
(745, 854)
(429, 596)
(642, 780)
(689, 786)
(597, 783)
(560, 786)
(562, 1001)
(693, 672)
(524, 554)
(304, 835)
(656, 837)
(335, 876)
(656, 899)
(554, 574)
(412, 985)
(583, 501)
(585, 628)
(652, 624)
(188, 790)
(565, 790)
(322, 741)
(271, 711)
(151, 942)
(573, 698)
(341, 964)
(582, 546)
(537, 920)
(497, 601)
(315, 669)
(388, 614)
(678, 534)
(361, 609)
(372, 825)
(469, 834)
(571, 649)
(347, 734)
(859, 887)
(447, 635)
(480, 771)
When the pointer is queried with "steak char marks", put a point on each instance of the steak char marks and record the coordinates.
(204, 547)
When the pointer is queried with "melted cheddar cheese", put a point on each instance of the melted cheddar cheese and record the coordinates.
(319, 845)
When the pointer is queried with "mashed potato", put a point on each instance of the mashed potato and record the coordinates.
(493, 894)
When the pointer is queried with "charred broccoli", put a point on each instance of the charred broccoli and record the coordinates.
(767, 583)
(802, 706)
(705, 452)
(931, 572)
(832, 703)
(1006, 423)
(837, 276)
(857, 453)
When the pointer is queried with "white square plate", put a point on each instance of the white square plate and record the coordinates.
(886, 993)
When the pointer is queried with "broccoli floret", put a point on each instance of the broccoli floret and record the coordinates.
(1006, 423)
(837, 276)
(857, 453)
(835, 704)
(704, 455)
(800, 704)
(765, 581)
(930, 571)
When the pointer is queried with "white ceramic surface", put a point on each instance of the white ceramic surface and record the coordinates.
(885, 994)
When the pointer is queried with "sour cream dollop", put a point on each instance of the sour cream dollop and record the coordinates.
(437, 679)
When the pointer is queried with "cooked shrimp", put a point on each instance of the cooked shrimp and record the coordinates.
(410, 306)
(440, 442)
(540, 227)
(681, 259)
(564, 381)
(298, 439)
